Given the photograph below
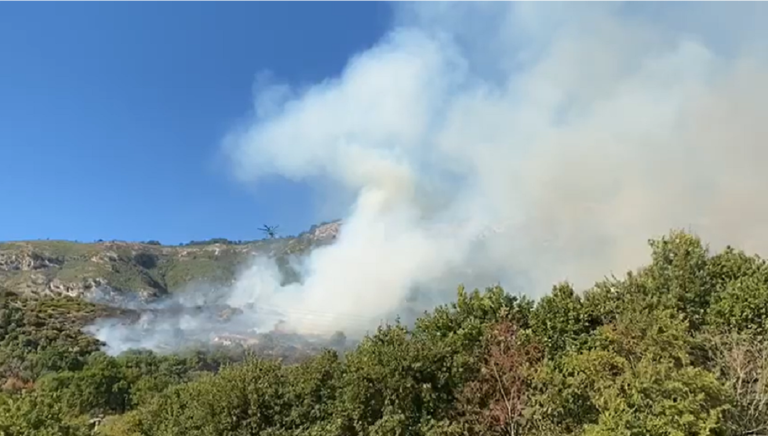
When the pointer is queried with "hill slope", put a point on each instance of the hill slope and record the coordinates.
(50, 268)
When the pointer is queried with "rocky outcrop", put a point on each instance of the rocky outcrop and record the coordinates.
(26, 260)
(75, 289)
(325, 232)
(105, 257)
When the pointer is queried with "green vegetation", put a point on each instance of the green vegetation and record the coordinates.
(37, 267)
(678, 347)
(56, 267)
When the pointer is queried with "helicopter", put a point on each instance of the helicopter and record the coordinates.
(271, 231)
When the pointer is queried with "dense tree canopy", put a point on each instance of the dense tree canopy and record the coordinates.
(677, 347)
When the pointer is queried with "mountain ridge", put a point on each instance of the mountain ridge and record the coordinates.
(149, 269)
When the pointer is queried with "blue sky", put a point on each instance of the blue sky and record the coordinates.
(111, 114)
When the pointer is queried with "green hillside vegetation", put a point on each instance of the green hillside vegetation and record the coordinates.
(151, 269)
(677, 347)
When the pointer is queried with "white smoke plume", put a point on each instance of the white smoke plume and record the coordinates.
(584, 128)
(581, 129)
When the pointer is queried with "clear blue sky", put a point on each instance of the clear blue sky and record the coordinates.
(111, 114)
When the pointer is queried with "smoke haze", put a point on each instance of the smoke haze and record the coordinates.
(578, 130)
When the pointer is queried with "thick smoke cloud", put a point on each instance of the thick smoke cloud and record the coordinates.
(582, 129)
(578, 130)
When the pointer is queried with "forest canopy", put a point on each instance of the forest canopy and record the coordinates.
(677, 347)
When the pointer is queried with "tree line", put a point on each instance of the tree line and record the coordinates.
(677, 347)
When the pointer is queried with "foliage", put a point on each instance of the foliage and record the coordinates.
(148, 267)
(677, 347)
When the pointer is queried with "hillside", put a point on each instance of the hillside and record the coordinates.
(677, 347)
(53, 268)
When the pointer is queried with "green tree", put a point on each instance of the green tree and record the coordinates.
(100, 387)
(35, 414)
(560, 321)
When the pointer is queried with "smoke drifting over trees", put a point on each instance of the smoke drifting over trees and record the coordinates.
(574, 132)
(581, 126)
(581, 129)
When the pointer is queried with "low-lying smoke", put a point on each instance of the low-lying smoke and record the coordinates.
(584, 129)
(203, 314)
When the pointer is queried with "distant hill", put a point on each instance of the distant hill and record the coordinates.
(50, 268)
